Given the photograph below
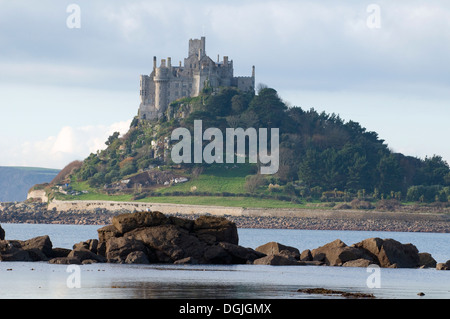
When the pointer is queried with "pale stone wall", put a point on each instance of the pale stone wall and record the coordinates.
(138, 206)
(324, 214)
(38, 194)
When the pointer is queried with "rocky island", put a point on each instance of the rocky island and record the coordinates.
(152, 237)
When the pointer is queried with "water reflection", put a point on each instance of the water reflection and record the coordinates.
(188, 290)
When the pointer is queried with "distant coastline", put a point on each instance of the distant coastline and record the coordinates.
(100, 213)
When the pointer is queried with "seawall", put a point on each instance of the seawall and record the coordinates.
(184, 209)
(139, 206)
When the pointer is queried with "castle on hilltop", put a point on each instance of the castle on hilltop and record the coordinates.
(168, 83)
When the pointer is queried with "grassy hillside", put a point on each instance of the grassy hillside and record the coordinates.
(16, 181)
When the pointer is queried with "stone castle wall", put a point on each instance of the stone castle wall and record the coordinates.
(168, 83)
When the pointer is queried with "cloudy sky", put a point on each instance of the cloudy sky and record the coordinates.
(66, 84)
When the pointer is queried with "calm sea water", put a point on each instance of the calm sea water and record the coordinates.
(42, 280)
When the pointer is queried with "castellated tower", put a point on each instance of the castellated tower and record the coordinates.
(168, 83)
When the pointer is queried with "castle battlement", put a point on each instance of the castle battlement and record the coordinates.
(168, 83)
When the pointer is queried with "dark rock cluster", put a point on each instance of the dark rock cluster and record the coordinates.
(152, 237)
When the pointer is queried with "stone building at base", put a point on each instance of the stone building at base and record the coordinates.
(168, 83)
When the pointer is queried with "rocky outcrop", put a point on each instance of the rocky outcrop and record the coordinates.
(152, 237)
(35, 249)
(360, 262)
(443, 266)
(390, 253)
(278, 255)
(216, 229)
(274, 248)
(338, 253)
(281, 255)
(426, 260)
(127, 222)
(2, 233)
(387, 253)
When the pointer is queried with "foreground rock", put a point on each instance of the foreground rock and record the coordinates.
(152, 237)
(274, 248)
(443, 266)
(386, 253)
(278, 255)
(281, 255)
(390, 253)
(2, 233)
(338, 253)
(35, 249)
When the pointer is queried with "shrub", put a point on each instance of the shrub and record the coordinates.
(66, 171)
(127, 161)
(252, 182)
(139, 196)
(361, 204)
(388, 204)
(421, 193)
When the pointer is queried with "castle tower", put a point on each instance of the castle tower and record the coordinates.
(197, 47)
(161, 80)
(168, 82)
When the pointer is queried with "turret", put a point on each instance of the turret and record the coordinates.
(161, 80)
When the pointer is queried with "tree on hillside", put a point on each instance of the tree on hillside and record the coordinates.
(66, 172)
(112, 138)
(434, 171)
(269, 108)
(390, 175)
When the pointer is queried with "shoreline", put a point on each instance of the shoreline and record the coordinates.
(268, 218)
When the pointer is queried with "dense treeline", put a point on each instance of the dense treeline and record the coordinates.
(318, 151)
